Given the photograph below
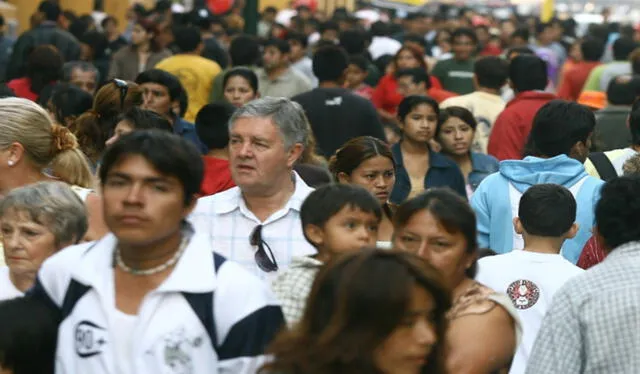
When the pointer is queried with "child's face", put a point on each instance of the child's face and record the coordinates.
(355, 76)
(351, 229)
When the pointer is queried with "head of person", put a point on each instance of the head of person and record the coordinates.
(330, 64)
(591, 49)
(623, 90)
(520, 38)
(631, 167)
(110, 25)
(266, 138)
(44, 67)
(443, 40)
(136, 119)
(616, 211)
(547, 211)
(561, 128)
(240, 85)
(161, 91)
(414, 81)
(409, 58)
(354, 41)
(188, 39)
(418, 118)
(456, 130)
(544, 33)
(269, 14)
(368, 311)
(528, 73)
(37, 221)
(82, 74)
(439, 226)
(415, 41)
(463, 43)
(298, 43)
(145, 33)
(67, 103)
(482, 33)
(276, 54)
(212, 124)
(244, 50)
(365, 161)
(150, 180)
(623, 47)
(329, 31)
(28, 343)
(93, 46)
(340, 218)
(490, 72)
(517, 51)
(357, 71)
(50, 10)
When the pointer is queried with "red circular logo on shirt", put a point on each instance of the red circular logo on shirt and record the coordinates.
(523, 293)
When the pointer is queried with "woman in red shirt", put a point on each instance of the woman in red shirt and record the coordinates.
(44, 67)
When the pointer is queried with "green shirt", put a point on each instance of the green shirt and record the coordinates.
(455, 76)
(593, 81)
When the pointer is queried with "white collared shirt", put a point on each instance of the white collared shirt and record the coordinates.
(7, 289)
(226, 220)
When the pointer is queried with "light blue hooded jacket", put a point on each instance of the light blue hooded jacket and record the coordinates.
(494, 208)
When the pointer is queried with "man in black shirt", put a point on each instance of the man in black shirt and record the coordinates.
(335, 113)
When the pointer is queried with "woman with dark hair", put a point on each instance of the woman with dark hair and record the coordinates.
(368, 312)
(67, 102)
(484, 329)
(418, 167)
(367, 161)
(143, 54)
(455, 132)
(240, 85)
(44, 68)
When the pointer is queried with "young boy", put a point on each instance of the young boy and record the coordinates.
(530, 277)
(356, 75)
(336, 219)
(212, 124)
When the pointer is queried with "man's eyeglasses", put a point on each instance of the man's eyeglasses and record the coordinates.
(124, 89)
(265, 263)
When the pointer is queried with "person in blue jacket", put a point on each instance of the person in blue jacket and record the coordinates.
(418, 167)
(557, 147)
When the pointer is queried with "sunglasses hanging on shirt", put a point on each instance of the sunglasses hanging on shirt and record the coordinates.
(266, 262)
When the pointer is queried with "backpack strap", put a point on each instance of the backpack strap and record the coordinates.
(603, 165)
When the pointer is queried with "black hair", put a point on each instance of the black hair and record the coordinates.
(418, 75)
(28, 336)
(328, 200)
(50, 9)
(187, 38)
(634, 123)
(451, 210)
(592, 49)
(108, 19)
(163, 78)
(379, 28)
(212, 124)
(456, 112)
(491, 72)
(270, 9)
(528, 73)
(142, 119)
(98, 43)
(353, 41)
(519, 51)
(360, 61)
(558, 126)
(328, 25)
(299, 38)
(244, 50)
(415, 38)
(618, 210)
(329, 63)
(547, 210)
(464, 31)
(622, 48)
(68, 102)
(409, 103)
(521, 33)
(383, 61)
(5, 91)
(280, 44)
(44, 67)
(169, 154)
(542, 26)
(243, 72)
(623, 90)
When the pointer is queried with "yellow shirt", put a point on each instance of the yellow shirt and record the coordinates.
(196, 75)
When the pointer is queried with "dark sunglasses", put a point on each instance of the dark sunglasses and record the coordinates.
(265, 263)
(124, 89)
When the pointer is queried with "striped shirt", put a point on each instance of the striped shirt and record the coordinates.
(592, 325)
(228, 223)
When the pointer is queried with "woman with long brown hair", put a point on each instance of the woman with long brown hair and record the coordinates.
(369, 312)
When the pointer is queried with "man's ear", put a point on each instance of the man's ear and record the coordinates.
(314, 234)
(294, 154)
(572, 232)
(517, 226)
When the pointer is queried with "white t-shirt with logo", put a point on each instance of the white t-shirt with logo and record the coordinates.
(530, 279)
(7, 289)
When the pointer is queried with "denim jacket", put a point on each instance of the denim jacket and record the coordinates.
(443, 172)
(482, 166)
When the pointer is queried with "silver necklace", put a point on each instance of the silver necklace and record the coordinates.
(146, 272)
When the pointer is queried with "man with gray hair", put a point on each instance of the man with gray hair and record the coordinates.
(257, 223)
(81, 74)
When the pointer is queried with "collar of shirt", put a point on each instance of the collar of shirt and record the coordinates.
(194, 271)
(235, 201)
(284, 77)
(624, 250)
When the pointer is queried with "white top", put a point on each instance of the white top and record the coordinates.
(530, 279)
(225, 219)
(7, 289)
(123, 328)
(383, 45)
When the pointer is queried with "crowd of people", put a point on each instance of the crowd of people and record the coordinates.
(356, 192)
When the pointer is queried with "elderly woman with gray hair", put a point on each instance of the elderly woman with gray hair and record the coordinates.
(36, 221)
